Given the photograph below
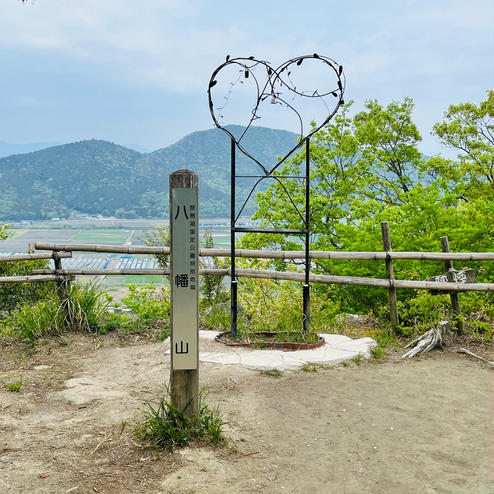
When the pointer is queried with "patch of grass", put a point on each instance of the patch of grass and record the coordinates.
(272, 373)
(358, 359)
(33, 321)
(345, 363)
(378, 352)
(14, 386)
(86, 307)
(310, 368)
(167, 427)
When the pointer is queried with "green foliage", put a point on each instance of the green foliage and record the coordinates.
(99, 177)
(310, 368)
(378, 352)
(211, 286)
(4, 233)
(86, 307)
(84, 310)
(469, 129)
(14, 386)
(12, 295)
(276, 373)
(368, 169)
(151, 306)
(167, 427)
(270, 305)
(216, 317)
(33, 321)
(159, 237)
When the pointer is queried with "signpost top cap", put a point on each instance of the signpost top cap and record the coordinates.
(183, 171)
(184, 178)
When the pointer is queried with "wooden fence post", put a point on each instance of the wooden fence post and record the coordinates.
(393, 303)
(62, 286)
(455, 300)
(184, 293)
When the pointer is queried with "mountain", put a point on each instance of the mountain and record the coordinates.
(99, 177)
(6, 148)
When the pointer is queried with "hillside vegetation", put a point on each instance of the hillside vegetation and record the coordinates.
(99, 177)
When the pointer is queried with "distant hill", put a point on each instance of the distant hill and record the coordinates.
(99, 177)
(6, 148)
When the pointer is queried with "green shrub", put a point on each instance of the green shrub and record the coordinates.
(84, 310)
(13, 295)
(216, 317)
(86, 307)
(151, 308)
(33, 321)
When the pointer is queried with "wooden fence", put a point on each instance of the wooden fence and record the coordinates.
(61, 251)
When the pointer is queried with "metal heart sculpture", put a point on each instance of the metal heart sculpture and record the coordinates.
(264, 89)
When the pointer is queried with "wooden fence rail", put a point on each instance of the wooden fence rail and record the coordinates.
(292, 276)
(266, 254)
(34, 257)
(35, 278)
(60, 251)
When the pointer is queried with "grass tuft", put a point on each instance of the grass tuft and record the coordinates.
(272, 373)
(14, 386)
(167, 427)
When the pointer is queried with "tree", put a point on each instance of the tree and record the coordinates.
(469, 129)
(366, 170)
(388, 141)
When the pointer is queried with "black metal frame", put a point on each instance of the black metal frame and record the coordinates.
(281, 77)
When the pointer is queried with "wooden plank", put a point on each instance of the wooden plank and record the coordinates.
(33, 257)
(30, 278)
(291, 276)
(265, 254)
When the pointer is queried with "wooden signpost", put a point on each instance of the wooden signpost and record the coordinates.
(184, 282)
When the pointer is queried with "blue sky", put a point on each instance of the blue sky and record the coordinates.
(136, 72)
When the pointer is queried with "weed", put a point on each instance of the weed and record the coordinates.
(86, 307)
(357, 359)
(167, 427)
(83, 309)
(14, 386)
(345, 363)
(310, 368)
(151, 306)
(32, 321)
(272, 373)
(378, 352)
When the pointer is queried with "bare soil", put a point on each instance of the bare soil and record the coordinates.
(419, 426)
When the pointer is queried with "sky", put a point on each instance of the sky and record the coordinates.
(135, 72)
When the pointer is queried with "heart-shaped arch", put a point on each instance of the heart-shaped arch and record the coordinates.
(278, 86)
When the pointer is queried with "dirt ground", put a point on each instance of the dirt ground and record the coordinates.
(422, 426)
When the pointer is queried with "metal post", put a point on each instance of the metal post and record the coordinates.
(233, 282)
(306, 287)
(390, 275)
(455, 299)
(184, 282)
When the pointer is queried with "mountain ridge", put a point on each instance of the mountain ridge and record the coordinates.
(100, 177)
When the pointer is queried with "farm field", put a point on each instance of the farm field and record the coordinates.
(23, 240)
(102, 236)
